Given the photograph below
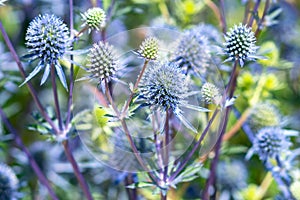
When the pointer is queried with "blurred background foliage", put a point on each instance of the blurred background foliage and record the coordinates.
(275, 81)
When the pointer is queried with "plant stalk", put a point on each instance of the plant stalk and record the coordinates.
(42, 178)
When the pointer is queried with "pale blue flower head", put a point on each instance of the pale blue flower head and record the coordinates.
(240, 44)
(164, 87)
(47, 41)
(271, 142)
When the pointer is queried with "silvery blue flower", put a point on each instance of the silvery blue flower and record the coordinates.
(271, 142)
(165, 87)
(240, 44)
(47, 41)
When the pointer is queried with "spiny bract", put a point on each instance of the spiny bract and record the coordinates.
(103, 61)
(8, 183)
(47, 40)
(240, 44)
(94, 18)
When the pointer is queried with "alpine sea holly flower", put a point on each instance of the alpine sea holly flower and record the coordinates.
(47, 40)
(94, 18)
(8, 183)
(102, 61)
(149, 48)
(240, 44)
(165, 87)
(193, 51)
(271, 142)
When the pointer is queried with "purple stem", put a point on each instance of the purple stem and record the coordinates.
(253, 13)
(31, 160)
(55, 96)
(260, 24)
(223, 18)
(77, 172)
(70, 100)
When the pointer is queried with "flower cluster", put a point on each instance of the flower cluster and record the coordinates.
(94, 18)
(47, 40)
(102, 61)
(149, 48)
(8, 183)
(240, 44)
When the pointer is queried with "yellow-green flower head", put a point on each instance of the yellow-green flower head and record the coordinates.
(262, 115)
(210, 93)
(94, 18)
(240, 44)
(102, 61)
(149, 48)
(295, 189)
(8, 183)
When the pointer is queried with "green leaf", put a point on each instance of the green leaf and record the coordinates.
(140, 185)
(190, 173)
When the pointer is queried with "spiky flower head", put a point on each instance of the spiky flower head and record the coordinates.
(240, 44)
(164, 86)
(102, 61)
(94, 18)
(149, 48)
(8, 183)
(295, 189)
(47, 40)
(231, 176)
(262, 115)
(210, 93)
(271, 142)
(193, 51)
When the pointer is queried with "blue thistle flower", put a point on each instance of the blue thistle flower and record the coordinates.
(240, 44)
(193, 51)
(47, 40)
(103, 61)
(210, 93)
(165, 87)
(8, 183)
(271, 142)
(231, 176)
